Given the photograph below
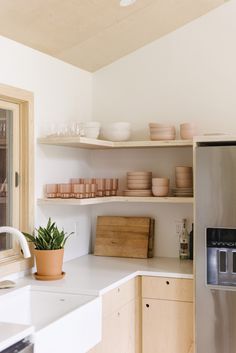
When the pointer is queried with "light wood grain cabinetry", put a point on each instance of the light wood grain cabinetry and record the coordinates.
(167, 315)
(120, 317)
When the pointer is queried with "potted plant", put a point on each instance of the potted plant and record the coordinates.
(49, 245)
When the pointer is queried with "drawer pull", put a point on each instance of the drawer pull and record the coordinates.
(167, 282)
(118, 290)
(147, 305)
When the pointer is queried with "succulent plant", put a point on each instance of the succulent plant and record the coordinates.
(48, 238)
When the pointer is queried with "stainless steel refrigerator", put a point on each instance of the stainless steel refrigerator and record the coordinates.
(215, 247)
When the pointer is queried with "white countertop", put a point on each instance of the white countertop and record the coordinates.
(12, 333)
(95, 275)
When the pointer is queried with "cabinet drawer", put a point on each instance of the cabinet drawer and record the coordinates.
(167, 288)
(118, 297)
(167, 326)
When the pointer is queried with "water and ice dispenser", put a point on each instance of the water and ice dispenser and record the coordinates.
(221, 256)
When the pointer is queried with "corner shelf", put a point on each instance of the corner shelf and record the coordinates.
(114, 199)
(84, 142)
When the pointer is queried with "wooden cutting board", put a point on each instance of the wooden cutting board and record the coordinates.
(151, 237)
(122, 236)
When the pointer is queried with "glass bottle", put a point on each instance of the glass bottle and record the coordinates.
(191, 244)
(184, 242)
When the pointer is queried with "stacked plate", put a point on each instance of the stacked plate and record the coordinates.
(161, 132)
(183, 192)
(184, 181)
(139, 184)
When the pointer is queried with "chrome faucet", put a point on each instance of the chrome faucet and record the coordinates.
(23, 243)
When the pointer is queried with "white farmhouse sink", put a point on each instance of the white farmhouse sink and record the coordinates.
(63, 322)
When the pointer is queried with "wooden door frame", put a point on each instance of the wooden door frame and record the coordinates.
(25, 100)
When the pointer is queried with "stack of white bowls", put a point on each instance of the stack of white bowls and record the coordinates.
(119, 131)
(139, 184)
(187, 131)
(184, 181)
(91, 129)
(161, 132)
(160, 186)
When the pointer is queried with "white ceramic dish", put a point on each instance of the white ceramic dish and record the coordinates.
(115, 135)
(91, 132)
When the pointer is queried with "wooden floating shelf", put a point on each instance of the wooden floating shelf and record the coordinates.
(101, 200)
(84, 142)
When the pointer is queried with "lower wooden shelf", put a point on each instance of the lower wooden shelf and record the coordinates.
(101, 200)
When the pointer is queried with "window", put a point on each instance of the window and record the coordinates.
(9, 172)
(16, 173)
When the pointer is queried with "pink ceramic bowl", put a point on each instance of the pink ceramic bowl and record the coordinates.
(160, 190)
(160, 182)
(183, 169)
(184, 183)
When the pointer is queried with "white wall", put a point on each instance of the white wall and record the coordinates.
(188, 75)
(62, 93)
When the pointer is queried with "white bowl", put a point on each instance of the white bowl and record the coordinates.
(115, 135)
(91, 132)
(116, 125)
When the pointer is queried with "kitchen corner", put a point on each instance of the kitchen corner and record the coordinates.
(90, 277)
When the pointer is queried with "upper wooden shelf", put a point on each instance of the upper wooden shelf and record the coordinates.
(100, 200)
(84, 142)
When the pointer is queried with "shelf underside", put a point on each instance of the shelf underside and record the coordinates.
(83, 142)
(101, 200)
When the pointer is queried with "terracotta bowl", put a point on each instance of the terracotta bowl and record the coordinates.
(139, 178)
(157, 125)
(184, 183)
(183, 169)
(160, 181)
(138, 187)
(138, 173)
(162, 137)
(160, 190)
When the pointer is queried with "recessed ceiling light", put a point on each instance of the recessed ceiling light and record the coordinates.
(127, 2)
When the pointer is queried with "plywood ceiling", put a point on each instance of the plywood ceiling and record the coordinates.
(93, 33)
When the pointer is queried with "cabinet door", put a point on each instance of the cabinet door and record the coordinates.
(118, 331)
(167, 326)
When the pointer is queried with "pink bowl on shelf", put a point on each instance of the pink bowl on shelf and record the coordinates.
(160, 181)
(183, 169)
(160, 190)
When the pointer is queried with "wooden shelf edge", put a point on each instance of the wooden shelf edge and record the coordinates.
(83, 142)
(101, 200)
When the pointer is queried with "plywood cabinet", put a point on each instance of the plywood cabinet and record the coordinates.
(167, 315)
(120, 320)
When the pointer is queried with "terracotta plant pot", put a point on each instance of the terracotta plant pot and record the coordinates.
(49, 262)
